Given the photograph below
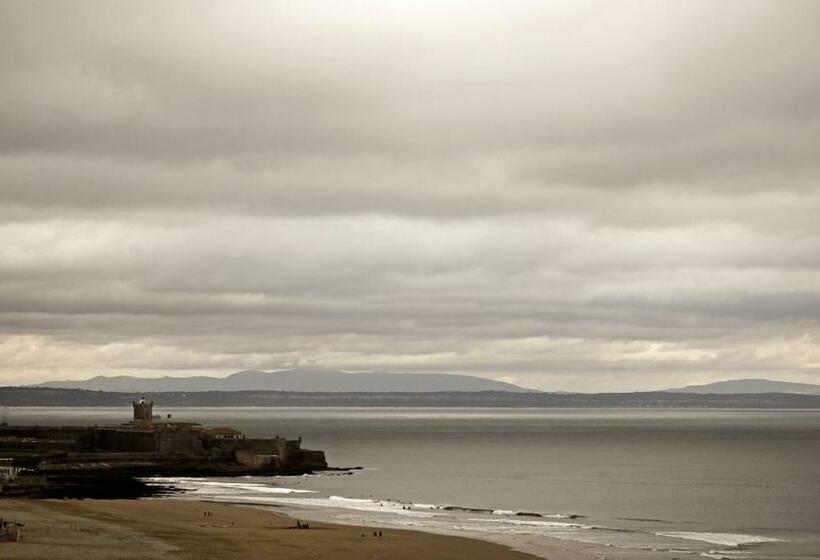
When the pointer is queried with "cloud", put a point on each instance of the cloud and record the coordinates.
(569, 194)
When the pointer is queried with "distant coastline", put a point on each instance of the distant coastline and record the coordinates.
(47, 397)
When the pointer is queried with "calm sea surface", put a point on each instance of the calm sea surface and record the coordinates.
(643, 483)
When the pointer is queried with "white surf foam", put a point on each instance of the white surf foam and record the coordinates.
(534, 523)
(499, 523)
(332, 502)
(196, 484)
(512, 512)
(724, 539)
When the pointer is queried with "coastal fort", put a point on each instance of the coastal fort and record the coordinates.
(58, 460)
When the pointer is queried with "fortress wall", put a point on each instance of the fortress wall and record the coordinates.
(183, 441)
(38, 445)
(132, 440)
(313, 459)
(104, 439)
(274, 446)
(257, 461)
(78, 434)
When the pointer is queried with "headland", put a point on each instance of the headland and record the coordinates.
(108, 461)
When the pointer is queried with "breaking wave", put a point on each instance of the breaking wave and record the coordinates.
(723, 539)
(201, 484)
(502, 525)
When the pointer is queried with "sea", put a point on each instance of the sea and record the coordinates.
(627, 483)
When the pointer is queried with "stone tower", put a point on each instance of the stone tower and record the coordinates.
(143, 412)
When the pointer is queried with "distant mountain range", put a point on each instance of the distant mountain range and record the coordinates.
(322, 387)
(750, 386)
(301, 380)
(333, 381)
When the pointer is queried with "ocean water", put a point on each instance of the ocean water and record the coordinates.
(647, 483)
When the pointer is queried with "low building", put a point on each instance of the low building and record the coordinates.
(8, 472)
(222, 432)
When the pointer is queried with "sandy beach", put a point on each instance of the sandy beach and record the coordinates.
(163, 529)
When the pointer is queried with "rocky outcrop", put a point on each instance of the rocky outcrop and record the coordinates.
(71, 458)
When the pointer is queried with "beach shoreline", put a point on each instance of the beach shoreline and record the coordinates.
(540, 546)
(187, 529)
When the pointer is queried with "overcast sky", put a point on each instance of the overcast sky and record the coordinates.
(565, 195)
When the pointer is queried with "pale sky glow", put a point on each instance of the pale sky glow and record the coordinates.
(565, 195)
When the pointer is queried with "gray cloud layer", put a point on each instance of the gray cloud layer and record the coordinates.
(573, 195)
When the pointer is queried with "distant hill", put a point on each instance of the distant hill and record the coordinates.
(303, 380)
(44, 396)
(750, 386)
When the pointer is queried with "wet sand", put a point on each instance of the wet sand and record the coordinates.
(176, 529)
